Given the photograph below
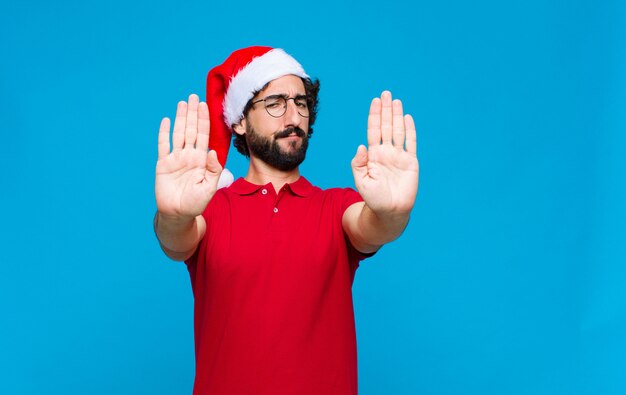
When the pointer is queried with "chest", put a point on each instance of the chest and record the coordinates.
(268, 234)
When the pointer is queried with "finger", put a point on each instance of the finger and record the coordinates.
(191, 128)
(398, 124)
(411, 135)
(164, 138)
(202, 142)
(178, 137)
(386, 117)
(373, 123)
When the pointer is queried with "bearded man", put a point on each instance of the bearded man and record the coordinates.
(271, 257)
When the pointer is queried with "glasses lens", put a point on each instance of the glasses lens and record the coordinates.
(275, 106)
(302, 106)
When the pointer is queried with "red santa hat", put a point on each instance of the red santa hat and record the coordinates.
(232, 84)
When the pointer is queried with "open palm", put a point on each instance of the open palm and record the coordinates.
(186, 177)
(386, 173)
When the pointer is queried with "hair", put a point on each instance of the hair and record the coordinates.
(311, 88)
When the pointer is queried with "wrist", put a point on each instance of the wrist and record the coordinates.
(386, 215)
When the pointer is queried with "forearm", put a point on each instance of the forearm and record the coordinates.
(381, 228)
(179, 236)
(369, 230)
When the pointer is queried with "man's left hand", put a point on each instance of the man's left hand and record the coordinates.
(386, 173)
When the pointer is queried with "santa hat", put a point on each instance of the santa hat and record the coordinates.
(232, 84)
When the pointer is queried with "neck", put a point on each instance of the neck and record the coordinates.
(260, 173)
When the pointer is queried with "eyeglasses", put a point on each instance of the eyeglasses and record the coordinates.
(276, 105)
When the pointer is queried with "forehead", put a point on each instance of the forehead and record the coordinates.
(290, 85)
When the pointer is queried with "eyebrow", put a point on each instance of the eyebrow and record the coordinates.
(285, 96)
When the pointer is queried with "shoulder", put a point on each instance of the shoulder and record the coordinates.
(221, 198)
(304, 185)
(339, 197)
(346, 197)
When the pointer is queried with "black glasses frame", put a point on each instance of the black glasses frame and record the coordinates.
(284, 107)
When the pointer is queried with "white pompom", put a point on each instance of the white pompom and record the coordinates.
(226, 178)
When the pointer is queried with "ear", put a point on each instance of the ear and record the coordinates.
(240, 128)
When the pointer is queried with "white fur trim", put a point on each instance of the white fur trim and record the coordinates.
(271, 65)
(226, 178)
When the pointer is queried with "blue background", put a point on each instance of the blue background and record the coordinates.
(510, 279)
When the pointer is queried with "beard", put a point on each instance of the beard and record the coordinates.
(268, 150)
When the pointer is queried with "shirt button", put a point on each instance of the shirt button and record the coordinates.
(264, 191)
(275, 210)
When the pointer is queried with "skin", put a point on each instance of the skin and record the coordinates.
(259, 172)
(385, 172)
(186, 179)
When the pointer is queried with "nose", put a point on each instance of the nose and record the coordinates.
(292, 116)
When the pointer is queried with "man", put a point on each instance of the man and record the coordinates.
(271, 257)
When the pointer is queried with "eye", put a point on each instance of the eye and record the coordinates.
(273, 103)
(301, 103)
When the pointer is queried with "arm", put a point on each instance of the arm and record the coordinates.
(369, 231)
(179, 237)
(186, 180)
(386, 175)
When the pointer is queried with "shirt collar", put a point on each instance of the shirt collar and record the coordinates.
(243, 187)
(300, 187)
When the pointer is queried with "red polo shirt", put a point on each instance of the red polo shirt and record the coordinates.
(272, 283)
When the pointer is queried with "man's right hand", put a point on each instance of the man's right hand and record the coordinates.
(186, 176)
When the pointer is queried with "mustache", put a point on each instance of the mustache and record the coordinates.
(285, 133)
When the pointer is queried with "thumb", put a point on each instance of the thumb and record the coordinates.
(212, 164)
(360, 159)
